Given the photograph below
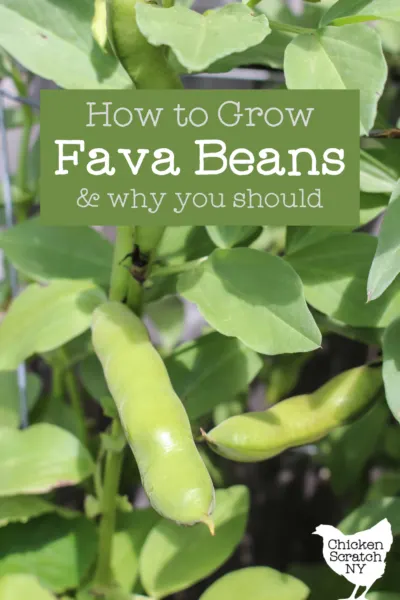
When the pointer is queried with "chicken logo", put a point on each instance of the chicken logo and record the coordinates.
(359, 557)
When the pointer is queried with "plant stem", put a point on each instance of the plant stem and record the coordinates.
(168, 3)
(253, 3)
(176, 269)
(104, 575)
(286, 27)
(120, 273)
(22, 173)
(75, 399)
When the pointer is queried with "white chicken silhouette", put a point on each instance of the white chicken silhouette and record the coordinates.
(359, 557)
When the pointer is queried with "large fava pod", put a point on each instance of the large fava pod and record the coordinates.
(297, 421)
(157, 428)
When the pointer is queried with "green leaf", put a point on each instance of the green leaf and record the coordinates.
(41, 458)
(184, 243)
(370, 513)
(375, 176)
(352, 11)
(371, 206)
(131, 533)
(9, 397)
(383, 596)
(211, 370)
(255, 297)
(230, 235)
(334, 274)
(22, 508)
(174, 558)
(257, 583)
(55, 41)
(47, 317)
(386, 264)
(298, 237)
(340, 58)
(167, 314)
(391, 367)
(43, 252)
(199, 40)
(93, 380)
(346, 450)
(57, 551)
(20, 586)
(388, 484)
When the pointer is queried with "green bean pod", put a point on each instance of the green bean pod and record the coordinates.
(145, 64)
(300, 420)
(157, 428)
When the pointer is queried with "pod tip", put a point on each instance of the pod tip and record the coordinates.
(207, 520)
(204, 435)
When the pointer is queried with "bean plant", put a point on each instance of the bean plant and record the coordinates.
(159, 385)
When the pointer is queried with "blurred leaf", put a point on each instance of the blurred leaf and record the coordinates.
(232, 408)
(391, 367)
(9, 397)
(346, 450)
(131, 533)
(284, 374)
(41, 458)
(352, 11)
(22, 508)
(199, 40)
(298, 237)
(371, 206)
(93, 381)
(211, 370)
(43, 252)
(57, 551)
(387, 485)
(184, 243)
(340, 58)
(48, 317)
(167, 314)
(230, 235)
(375, 176)
(255, 297)
(369, 514)
(20, 587)
(334, 274)
(386, 264)
(55, 41)
(174, 558)
(257, 583)
(392, 442)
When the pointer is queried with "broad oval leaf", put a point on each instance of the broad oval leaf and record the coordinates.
(391, 367)
(211, 370)
(340, 58)
(57, 551)
(257, 583)
(19, 586)
(10, 414)
(20, 509)
(43, 252)
(41, 458)
(369, 514)
(199, 40)
(168, 316)
(55, 41)
(352, 11)
(174, 557)
(386, 264)
(334, 274)
(41, 319)
(255, 297)
(129, 537)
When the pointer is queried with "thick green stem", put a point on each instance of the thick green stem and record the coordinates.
(120, 273)
(72, 389)
(168, 3)
(176, 269)
(296, 29)
(253, 3)
(104, 575)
